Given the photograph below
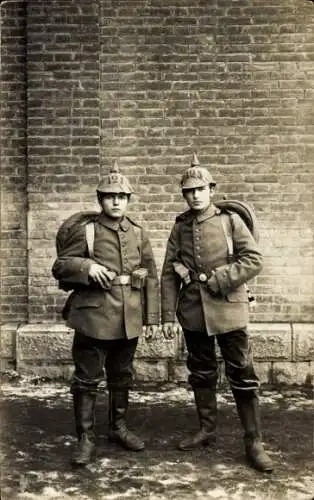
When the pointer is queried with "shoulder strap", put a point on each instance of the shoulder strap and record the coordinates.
(138, 233)
(227, 229)
(227, 226)
(90, 238)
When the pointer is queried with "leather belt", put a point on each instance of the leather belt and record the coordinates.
(122, 280)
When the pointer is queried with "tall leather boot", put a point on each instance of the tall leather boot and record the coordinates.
(84, 411)
(206, 405)
(249, 413)
(118, 431)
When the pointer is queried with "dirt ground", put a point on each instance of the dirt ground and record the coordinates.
(37, 439)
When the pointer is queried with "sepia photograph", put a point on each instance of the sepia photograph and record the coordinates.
(157, 258)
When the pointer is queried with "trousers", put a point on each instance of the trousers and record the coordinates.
(237, 355)
(94, 357)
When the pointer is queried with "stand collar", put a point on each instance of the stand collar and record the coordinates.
(208, 213)
(114, 224)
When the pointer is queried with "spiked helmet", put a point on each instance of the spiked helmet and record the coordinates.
(114, 182)
(196, 176)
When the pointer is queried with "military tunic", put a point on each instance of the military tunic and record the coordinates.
(220, 303)
(121, 311)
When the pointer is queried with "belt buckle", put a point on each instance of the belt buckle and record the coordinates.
(124, 279)
(202, 277)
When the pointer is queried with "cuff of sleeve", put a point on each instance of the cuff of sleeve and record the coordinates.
(168, 316)
(213, 285)
(220, 280)
(84, 271)
(152, 319)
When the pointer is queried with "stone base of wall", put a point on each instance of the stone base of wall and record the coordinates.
(283, 353)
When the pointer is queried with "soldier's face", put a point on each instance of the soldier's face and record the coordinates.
(199, 198)
(114, 204)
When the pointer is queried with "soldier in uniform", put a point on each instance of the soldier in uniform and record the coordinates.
(115, 294)
(209, 297)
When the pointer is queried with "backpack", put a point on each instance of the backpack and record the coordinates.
(67, 233)
(247, 214)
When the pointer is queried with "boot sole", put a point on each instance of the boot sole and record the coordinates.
(123, 445)
(268, 470)
(209, 441)
(190, 448)
(76, 463)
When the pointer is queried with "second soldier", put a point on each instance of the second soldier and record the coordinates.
(208, 295)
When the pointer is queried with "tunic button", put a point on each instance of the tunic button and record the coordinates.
(202, 277)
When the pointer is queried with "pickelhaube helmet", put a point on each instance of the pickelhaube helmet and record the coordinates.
(196, 176)
(114, 182)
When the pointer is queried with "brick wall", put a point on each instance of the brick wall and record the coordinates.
(13, 275)
(63, 131)
(233, 81)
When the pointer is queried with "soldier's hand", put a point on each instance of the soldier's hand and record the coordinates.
(150, 332)
(101, 275)
(169, 330)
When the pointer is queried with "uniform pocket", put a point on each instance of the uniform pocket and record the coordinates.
(238, 295)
